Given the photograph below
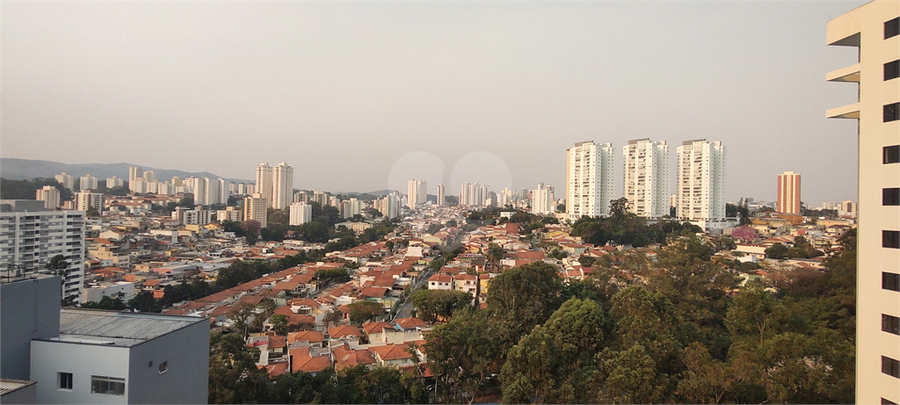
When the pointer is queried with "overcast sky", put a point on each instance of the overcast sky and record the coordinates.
(363, 96)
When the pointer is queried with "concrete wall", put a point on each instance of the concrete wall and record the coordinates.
(186, 381)
(83, 361)
(24, 393)
(29, 309)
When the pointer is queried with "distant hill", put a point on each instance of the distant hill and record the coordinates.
(25, 169)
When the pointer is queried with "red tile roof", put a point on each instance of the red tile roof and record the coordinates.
(409, 323)
(341, 331)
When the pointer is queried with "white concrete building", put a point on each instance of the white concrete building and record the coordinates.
(66, 180)
(105, 357)
(701, 181)
(225, 190)
(301, 213)
(264, 182)
(542, 200)
(134, 174)
(440, 194)
(788, 201)
(416, 192)
(212, 191)
(88, 182)
(234, 214)
(282, 186)
(122, 290)
(874, 28)
(30, 236)
(87, 200)
(389, 205)
(113, 182)
(49, 195)
(647, 177)
(589, 179)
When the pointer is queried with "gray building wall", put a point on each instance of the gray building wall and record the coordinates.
(186, 353)
(25, 393)
(83, 361)
(29, 309)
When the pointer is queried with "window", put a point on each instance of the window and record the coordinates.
(892, 154)
(890, 239)
(890, 281)
(107, 385)
(890, 366)
(892, 112)
(891, 28)
(163, 367)
(890, 196)
(890, 324)
(64, 381)
(892, 70)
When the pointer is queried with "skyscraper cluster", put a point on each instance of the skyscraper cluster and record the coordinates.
(475, 195)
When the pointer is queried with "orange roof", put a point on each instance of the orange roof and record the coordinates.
(391, 352)
(302, 361)
(250, 299)
(353, 358)
(286, 285)
(373, 292)
(312, 336)
(276, 369)
(376, 327)
(341, 331)
(409, 323)
(276, 342)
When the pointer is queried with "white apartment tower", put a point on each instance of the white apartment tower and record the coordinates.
(264, 182)
(589, 179)
(874, 28)
(87, 200)
(88, 182)
(134, 173)
(256, 208)
(788, 201)
(282, 186)
(301, 213)
(49, 195)
(66, 180)
(647, 177)
(212, 193)
(31, 236)
(542, 200)
(440, 194)
(701, 181)
(416, 193)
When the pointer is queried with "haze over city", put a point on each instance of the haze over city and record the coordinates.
(365, 96)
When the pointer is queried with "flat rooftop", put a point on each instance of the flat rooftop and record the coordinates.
(121, 329)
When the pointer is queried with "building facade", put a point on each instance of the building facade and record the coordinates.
(440, 194)
(589, 179)
(416, 192)
(647, 177)
(788, 201)
(49, 195)
(85, 201)
(542, 200)
(874, 28)
(301, 213)
(256, 208)
(701, 181)
(264, 183)
(282, 186)
(66, 180)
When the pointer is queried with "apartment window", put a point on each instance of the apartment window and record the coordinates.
(890, 281)
(890, 324)
(892, 70)
(163, 367)
(890, 366)
(891, 154)
(107, 385)
(892, 112)
(890, 239)
(890, 196)
(64, 381)
(891, 28)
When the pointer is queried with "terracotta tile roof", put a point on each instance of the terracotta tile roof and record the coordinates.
(391, 352)
(286, 285)
(373, 292)
(302, 361)
(346, 357)
(276, 369)
(440, 278)
(221, 310)
(341, 331)
(250, 300)
(312, 336)
(376, 327)
(409, 323)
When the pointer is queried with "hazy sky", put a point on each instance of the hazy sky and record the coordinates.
(366, 95)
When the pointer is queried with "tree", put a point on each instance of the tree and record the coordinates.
(463, 353)
(521, 298)
(439, 305)
(57, 264)
(279, 324)
(776, 251)
(363, 311)
(251, 230)
(233, 375)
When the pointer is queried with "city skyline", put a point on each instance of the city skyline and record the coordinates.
(455, 91)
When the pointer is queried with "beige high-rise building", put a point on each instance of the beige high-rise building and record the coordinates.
(874, 28)
(416, 193)
(788, 201)
(49, 195)
(256, 208)
(701, 181)
(647, 177)
(440, 194)
(589, 179)
(264, 184)
(66, 180)
(282, 186)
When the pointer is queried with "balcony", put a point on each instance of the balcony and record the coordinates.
(848, 111)
(848, 74)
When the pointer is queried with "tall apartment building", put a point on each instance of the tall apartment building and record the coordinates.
(301, 213)
(589, 179)
(701, 181)
(149, 176)
(389, 205)
(256, 208)
(542, 200)
(282, 186)
(49, 195)
(212, 192)
(225, 190)
(440, 194)
(264, 182)
(474, 194)
(134, 174)
(788, 201)
(647, 177)
(416, 193)
(30, 236)
(198, 188)
(66, 180)
(88, 182)
(87, 200)
(113, 182)
(874, 28)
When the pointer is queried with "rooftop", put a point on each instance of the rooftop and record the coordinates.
(120, 329)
